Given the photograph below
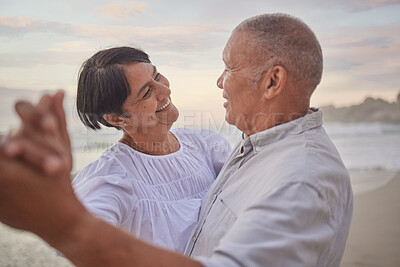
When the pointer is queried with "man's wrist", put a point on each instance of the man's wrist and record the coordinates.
(68, 226)
(93, 242)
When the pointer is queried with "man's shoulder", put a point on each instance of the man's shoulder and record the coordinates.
(308, 157)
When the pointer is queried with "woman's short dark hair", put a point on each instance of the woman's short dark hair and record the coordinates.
(103, 86)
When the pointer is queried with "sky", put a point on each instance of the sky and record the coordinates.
(43, 43)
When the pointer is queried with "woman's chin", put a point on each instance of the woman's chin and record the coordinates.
(169, 116)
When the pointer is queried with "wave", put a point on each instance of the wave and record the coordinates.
(335, 130)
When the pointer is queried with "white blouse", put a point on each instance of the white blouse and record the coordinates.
(156, 198)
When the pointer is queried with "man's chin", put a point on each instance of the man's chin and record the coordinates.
(229, 119)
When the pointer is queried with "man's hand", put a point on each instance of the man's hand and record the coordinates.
(35, 164)
(46, 205)
(32, 201)
(42, 140)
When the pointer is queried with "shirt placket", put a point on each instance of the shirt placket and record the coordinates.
(233, 166)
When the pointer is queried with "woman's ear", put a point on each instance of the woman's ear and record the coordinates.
(114, 119)
(274, 81)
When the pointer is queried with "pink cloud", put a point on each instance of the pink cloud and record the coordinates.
(361, 5)
(121, 10)
(17, 22)
(15, 25)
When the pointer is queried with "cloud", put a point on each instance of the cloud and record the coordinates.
(373, 40)
(362, 60)
(308, 10)
(12, 25)
(121, 10)
(332, 63)
(71, 46)
(363, 5)
(17, 22)
(186, 37)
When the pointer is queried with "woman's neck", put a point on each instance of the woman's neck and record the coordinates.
(152, 145)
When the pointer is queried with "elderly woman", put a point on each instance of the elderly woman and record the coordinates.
(150, 183)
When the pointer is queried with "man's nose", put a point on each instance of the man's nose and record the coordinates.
(220, 81)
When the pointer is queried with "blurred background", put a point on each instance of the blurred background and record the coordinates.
(43, 44)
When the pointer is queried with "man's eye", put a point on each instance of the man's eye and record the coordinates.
(157, 78)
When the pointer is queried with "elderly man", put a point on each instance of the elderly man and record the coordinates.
(283, 197)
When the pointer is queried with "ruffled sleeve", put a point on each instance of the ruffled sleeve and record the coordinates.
(218, 148)
(105, 190)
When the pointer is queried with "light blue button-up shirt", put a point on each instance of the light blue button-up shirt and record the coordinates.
(283, 198)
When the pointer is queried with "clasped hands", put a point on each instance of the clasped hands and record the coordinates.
(42, 140)
(35, 166)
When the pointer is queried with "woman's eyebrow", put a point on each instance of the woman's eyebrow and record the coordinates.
(146, 84)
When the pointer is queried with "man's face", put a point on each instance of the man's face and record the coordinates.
(243, 95)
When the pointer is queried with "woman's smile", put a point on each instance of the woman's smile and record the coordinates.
(165, 106)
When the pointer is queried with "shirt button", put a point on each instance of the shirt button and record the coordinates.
(215, 196)
(258, 149)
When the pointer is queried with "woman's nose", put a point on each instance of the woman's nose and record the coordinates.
(163, 91)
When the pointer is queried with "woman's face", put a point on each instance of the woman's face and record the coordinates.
(149, 107)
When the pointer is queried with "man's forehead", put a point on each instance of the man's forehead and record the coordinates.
(236, 46)
(225, 53)
(228, 47)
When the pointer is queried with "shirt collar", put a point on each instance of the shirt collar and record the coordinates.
(312, 120)
(245, 144)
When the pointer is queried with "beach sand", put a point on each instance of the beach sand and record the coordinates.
(374, 238)
(18, 249)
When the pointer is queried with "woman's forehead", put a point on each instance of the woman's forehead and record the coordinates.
(139, 75)
(139, 67)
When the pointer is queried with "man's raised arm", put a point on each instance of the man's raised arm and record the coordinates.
(45, 204)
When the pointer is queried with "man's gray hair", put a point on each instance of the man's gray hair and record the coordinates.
(286, 41)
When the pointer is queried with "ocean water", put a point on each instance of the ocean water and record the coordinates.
(362, 147)
(367, 146)
(371, 152)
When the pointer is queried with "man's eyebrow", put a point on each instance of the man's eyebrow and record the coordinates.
(146, 84)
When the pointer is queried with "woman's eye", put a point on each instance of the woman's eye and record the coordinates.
(147, 94)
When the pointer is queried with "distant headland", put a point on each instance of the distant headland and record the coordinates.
(371, 110)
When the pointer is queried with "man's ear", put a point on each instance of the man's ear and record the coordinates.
(114, 119)
(274, 81)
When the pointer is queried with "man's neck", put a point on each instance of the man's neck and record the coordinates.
(270, 120)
